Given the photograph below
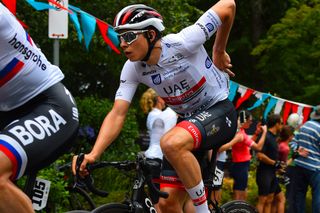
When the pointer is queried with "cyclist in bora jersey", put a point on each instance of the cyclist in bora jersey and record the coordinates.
(179, 69)
(38, 115)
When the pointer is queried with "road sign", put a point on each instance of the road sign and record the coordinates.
(58, 21)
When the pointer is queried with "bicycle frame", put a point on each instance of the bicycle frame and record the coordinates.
(139, 195)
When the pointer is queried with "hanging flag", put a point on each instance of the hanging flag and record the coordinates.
(286, 111)
(104, 31)
(233, 90)
(278, 107)
(74, 18)
(261, 98)
(40, 5)
(294, 108)
(306, 113)
(243, 98)
(272, 102)
(11, 5)
(88, 23)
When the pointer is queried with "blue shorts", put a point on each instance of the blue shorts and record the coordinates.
(239, 174)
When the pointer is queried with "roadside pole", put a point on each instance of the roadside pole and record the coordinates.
(58, 27)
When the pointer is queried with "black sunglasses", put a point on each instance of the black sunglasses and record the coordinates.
(130, 36)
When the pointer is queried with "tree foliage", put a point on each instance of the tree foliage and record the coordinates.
(289, 55)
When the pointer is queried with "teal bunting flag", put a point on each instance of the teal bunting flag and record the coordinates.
(74, 18)
(272, 102)
(260, 101)
(233, 90)
(40, 5)
(88, 23)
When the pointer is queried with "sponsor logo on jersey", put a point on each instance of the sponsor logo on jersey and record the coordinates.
(203, 116)
(176, 57)
(28, 54)
(175, 44)
(149, 72)
(39, 127)
(204, 30)
(228, 122)
(177, 89)
(171, 73)
(214, 21)
(187, 95)
(210, 27)
(208, 62)
(214, 130)
(156, 79)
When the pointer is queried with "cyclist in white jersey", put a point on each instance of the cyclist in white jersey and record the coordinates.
(179, 69)
(38, 115)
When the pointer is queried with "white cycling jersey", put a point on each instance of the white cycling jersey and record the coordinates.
(185, 76)
(158, 123)
(24, 70)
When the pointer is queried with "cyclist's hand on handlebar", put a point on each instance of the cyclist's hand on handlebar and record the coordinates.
(223, 62)
(82, 170)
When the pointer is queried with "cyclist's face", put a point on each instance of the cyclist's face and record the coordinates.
(133, 44)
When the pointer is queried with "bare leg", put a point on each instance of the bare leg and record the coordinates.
(280, 201)
(240, 195)
(177, 145)
(12, 199)
(268, 203)
(174, 203)
(188, 206)
(261, 203)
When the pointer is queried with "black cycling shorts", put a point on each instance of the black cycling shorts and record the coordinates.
(210, 129)
(35, 134)
(267, 181)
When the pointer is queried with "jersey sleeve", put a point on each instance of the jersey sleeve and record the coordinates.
(198, 33)
(128, 82)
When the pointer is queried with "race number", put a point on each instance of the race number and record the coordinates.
(218, 177)
(40, 193)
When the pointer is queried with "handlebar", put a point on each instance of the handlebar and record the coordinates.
(139, 165)
(87, 180)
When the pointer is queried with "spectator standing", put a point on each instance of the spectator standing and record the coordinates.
(268, 185)
(294, 121)
(307, 171)
(241, 156)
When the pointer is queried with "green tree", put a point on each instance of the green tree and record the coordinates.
(289, 55)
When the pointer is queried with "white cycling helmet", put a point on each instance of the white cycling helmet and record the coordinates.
(138, 17)
(295, 120)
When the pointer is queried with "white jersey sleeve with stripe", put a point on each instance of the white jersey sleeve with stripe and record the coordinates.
(24, 70)
(185, 76)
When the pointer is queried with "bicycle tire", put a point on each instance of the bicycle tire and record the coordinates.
(80, 199)
(238, 206)
(112, 208)
(78, 211)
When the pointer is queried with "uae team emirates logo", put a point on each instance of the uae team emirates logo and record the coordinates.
(156, 79)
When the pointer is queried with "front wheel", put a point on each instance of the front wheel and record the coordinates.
(112, 208)
(238, 206)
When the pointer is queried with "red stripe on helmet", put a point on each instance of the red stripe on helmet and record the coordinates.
(126, 16)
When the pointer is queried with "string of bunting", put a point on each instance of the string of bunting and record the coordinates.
(85, 27)
(277, 104)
